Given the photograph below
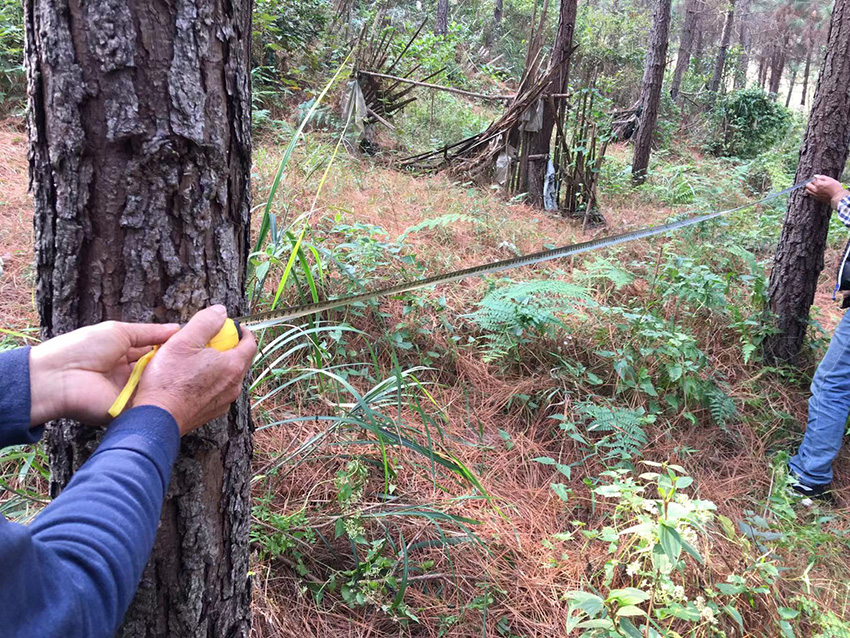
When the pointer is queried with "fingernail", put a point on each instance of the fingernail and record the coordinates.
(172, 326)
(220, 309)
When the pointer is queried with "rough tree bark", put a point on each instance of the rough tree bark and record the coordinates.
(441, 23)
(746, 42)
(498, 10)
(722, 52)
(653, 76)
(686, 42)
(799, 256)
(140, 157)
(806, 74)
(560, 61)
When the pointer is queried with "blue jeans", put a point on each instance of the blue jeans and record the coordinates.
(828, 410)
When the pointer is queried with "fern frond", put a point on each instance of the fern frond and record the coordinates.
(449, 219)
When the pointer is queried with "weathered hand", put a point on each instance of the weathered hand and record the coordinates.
(78, 375)
(826, 190)
(196, 384)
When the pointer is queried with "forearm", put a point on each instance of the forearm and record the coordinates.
(73, 571)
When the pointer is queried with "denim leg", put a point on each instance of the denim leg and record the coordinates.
(828, 410)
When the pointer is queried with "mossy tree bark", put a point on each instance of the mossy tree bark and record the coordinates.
(799, 256)
(653, 76)
(140, 158)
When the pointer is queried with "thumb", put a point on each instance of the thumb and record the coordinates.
(202, 327)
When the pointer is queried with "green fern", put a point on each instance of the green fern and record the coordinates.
(506, 314)
(721, 406)
(605, 269)
(448, 219)
(624, 436)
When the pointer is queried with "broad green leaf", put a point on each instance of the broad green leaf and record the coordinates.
(630, 610)
(670, 541)
(628, 596)
(735, 615)
(591, 604)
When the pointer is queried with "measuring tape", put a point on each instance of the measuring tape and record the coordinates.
(231, 333)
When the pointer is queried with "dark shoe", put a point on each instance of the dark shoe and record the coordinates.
(812, 492)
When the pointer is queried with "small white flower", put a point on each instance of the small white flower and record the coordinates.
(633, 568)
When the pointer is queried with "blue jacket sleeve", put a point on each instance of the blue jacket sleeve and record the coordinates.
(15, 399)
(74, 570)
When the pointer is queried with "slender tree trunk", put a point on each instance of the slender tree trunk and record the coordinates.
(791, 86)
(140, 159)
(762, 74)
(725, 39)
(806, 75)
(686, 41)
(441, 24)
(653, 76)
(542, 140)
(745, 35)
(799, 256)
(498, 8)
(777, 65)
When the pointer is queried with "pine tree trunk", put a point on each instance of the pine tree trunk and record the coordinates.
(799, 256)
(777, 66)
(726, 38)
(745, 38)
(542, 140)
(441, 24)
(653, 76)
(762, 74)
(791, 86)
(498, 9)
(806, 75)
(686, 41)
(140, 159)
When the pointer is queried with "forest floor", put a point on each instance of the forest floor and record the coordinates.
(533, 541)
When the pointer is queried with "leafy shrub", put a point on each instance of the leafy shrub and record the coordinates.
(745, 123)
(287, 25)
(12, 79)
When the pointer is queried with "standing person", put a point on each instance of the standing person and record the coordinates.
(829, 405)
(73, 571)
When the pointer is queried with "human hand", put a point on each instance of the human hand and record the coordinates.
(826, 190)
(196, 384)
(79, 374)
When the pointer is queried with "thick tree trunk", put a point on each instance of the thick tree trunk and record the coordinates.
(441, 24)
(498, 10)
(799, 256)
(653, 76)
(806, 75)
(746, 41)
(686, 42)
(722, 52)
(140, 157)
(560, 61)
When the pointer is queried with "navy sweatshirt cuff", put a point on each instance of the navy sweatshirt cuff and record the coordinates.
(148, 430)
(15, 399)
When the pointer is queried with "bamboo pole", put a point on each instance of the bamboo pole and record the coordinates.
(438, 87)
